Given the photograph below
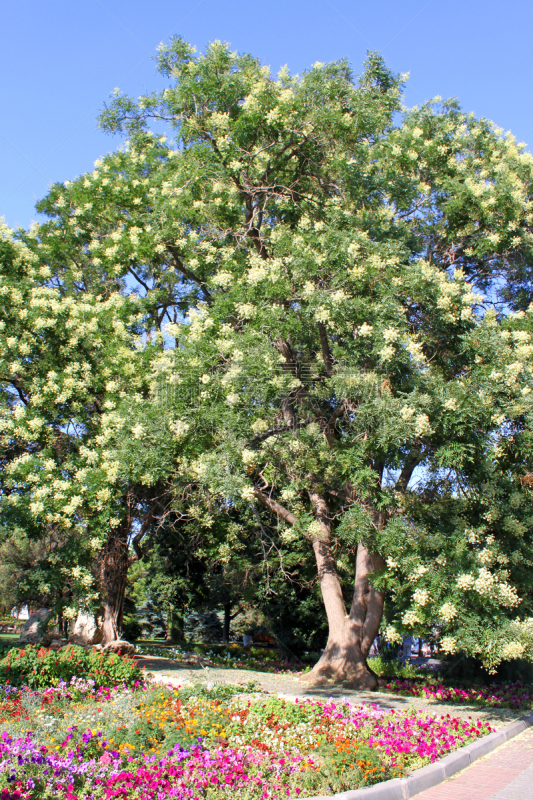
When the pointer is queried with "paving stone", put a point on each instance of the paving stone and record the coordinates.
(504, 774)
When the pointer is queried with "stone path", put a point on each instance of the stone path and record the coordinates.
(505, 774)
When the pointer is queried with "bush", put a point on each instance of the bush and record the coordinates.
(131, 628)
(467, 670)
(39, 667)
(394, 669)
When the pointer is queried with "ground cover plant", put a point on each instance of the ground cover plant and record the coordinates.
(39, 667)
(75, 740)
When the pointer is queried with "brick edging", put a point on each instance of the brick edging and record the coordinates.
(433, 774)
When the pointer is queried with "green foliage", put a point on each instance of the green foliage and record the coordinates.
(203, 626)
(131, 627)
(39, 667)
(392, 668)
(151, 621)
(220, 691)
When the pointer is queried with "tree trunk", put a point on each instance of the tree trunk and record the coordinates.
(350, 636)
(114, 563)
(175, 627)
(227, 622)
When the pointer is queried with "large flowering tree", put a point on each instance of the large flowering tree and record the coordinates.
(339, 368)
(346, 363)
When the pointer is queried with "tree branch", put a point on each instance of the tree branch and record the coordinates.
(278, 509)
(408, 468)
(188, 274)
(326, 352)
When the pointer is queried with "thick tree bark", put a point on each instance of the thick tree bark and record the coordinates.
(227, 623)
(350, 636)
(175, 627)
(114, 565)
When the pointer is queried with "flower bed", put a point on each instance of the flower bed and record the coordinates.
(75, 741)
(40, 667)
(513, 695)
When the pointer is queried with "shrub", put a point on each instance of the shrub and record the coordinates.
(39, 667)
(131, 628)
(468, 670)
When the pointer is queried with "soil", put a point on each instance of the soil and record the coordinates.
(168, 671)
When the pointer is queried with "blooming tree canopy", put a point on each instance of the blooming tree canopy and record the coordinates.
(325, 293)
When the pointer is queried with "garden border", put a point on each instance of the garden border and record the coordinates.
(436, 773)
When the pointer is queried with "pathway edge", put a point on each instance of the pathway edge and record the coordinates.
(436, 773)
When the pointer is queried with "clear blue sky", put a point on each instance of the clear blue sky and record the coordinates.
(60, 59)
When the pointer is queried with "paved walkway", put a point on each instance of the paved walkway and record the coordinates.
(505, 774)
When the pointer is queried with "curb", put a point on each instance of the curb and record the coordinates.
(430, 776)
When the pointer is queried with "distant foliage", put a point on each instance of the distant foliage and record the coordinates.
(203, 627)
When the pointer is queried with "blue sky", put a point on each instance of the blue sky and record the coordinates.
(60, 60)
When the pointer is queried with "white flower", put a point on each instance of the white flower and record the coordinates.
(365, 330)
(391, 335)
(103, 495)
(260, 426)
(222, 278)
(289, 494)
(137, 431)
(179, 428)
(314, 528)
(246, 310)
(465, 581)
(419, 571)
(448, 644)
(422, 426)
(450, 404)
(484, 582)
(447, 612)
(391, 635)
(256, 274)
(248, 457)
(407, 413)
(387, 353)
(415, 349)
(410, 618)
(322, 314)
(508, 595)
(232, 399)
(248, 494)
(512, 650)
(421, 596)
(392, 564)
